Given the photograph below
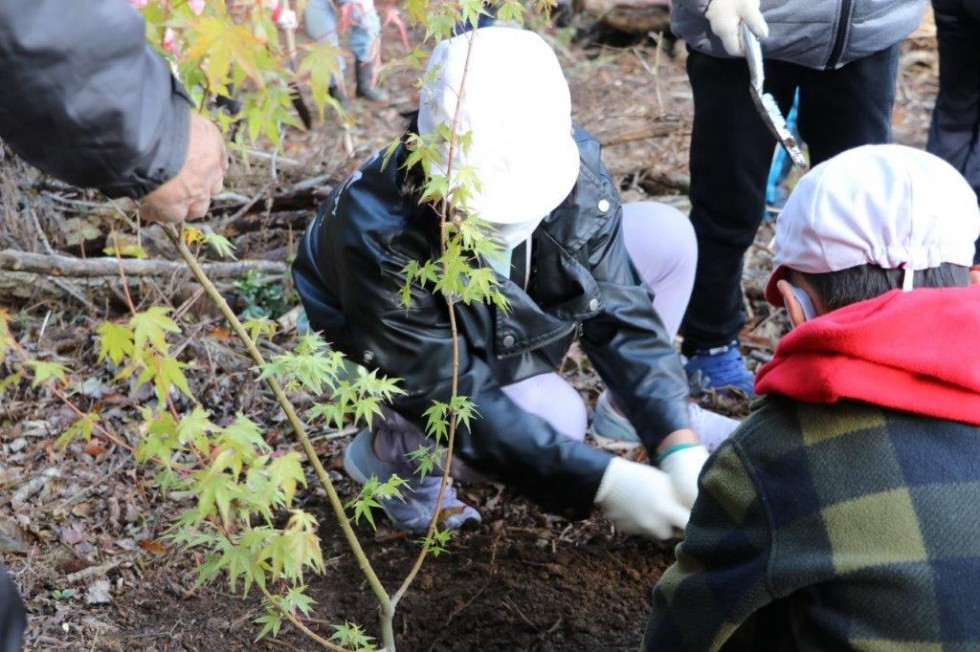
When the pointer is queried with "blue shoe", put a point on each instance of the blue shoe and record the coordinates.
(721, 368)
(413, 511)
(302, 322)
(613, 431)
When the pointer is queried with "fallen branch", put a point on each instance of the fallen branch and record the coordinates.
(302, 195)
(655, 130)
(90, 572)
(29, 286)
(68, 266)
(251, 222)
(656, 181)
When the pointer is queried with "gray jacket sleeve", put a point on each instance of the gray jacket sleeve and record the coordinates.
(697, 7)
(84, 97)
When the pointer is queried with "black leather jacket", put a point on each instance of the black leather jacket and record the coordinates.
(349, 272)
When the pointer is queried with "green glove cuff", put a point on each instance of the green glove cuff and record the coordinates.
(671, 450)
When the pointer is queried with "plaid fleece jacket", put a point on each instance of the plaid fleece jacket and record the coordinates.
(829, 527)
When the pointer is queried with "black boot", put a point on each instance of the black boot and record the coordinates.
(364, 73)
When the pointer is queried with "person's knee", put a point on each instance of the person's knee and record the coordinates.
(548, 396)
(660, 234)
(679, 231)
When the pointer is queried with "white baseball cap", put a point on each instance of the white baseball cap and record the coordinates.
(886, 205)
(518, 110)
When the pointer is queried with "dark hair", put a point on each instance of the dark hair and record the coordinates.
(839, 289)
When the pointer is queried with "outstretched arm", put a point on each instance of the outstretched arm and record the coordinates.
(87, 100)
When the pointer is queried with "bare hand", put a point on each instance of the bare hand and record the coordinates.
(188, 194)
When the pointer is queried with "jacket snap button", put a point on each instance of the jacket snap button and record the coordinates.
(603, 205)
(594, 304)
(368, 356)
(509, 341)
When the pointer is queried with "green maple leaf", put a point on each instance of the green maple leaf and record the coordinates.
(286, 472)
(258, 326)
(45, 371)
(151, 327)
(225, 43)
(243, 435)
(320, 66)
(194, 428)
(221, 245)
(271, 624)
(115, 342)
(170, 372)
(81, 429)
(436, 421)
(216, 490)
(160, 441)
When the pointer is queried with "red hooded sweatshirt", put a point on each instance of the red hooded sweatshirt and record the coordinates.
(915, 351)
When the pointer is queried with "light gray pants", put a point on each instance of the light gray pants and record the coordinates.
(660, 241)
(320, 22)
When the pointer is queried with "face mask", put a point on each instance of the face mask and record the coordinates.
(809, 311)
(509, 236)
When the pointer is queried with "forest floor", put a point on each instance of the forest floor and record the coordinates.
(82, 530)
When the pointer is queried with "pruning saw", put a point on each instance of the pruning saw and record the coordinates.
(765, 103)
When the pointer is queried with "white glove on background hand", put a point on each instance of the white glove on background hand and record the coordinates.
(683, 468)
(725, 15)
(281, 15)
(287, 19)
(639, 499)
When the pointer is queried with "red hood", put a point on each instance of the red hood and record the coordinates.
(915, 351)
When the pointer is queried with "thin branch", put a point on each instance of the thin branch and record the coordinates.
(299, 625)
(67, 401)
(108, 435)
(451, 305)
(294, 420)
(122, 276)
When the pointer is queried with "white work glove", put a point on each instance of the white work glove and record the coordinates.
(683, 467)
(725, 15)
(639, 499)
(287, 19)
(282, 15)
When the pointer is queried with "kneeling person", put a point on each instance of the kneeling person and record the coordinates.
(566, 271)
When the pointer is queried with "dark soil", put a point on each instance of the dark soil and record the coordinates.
(522, 580)
(500, 588)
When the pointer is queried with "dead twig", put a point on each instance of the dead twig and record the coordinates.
(655, 130)
(91, 571)
(64, 287)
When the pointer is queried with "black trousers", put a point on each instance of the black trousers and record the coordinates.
(953, 134)
(731, 152)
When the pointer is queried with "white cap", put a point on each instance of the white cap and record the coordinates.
(886, 205)
(518, 110)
